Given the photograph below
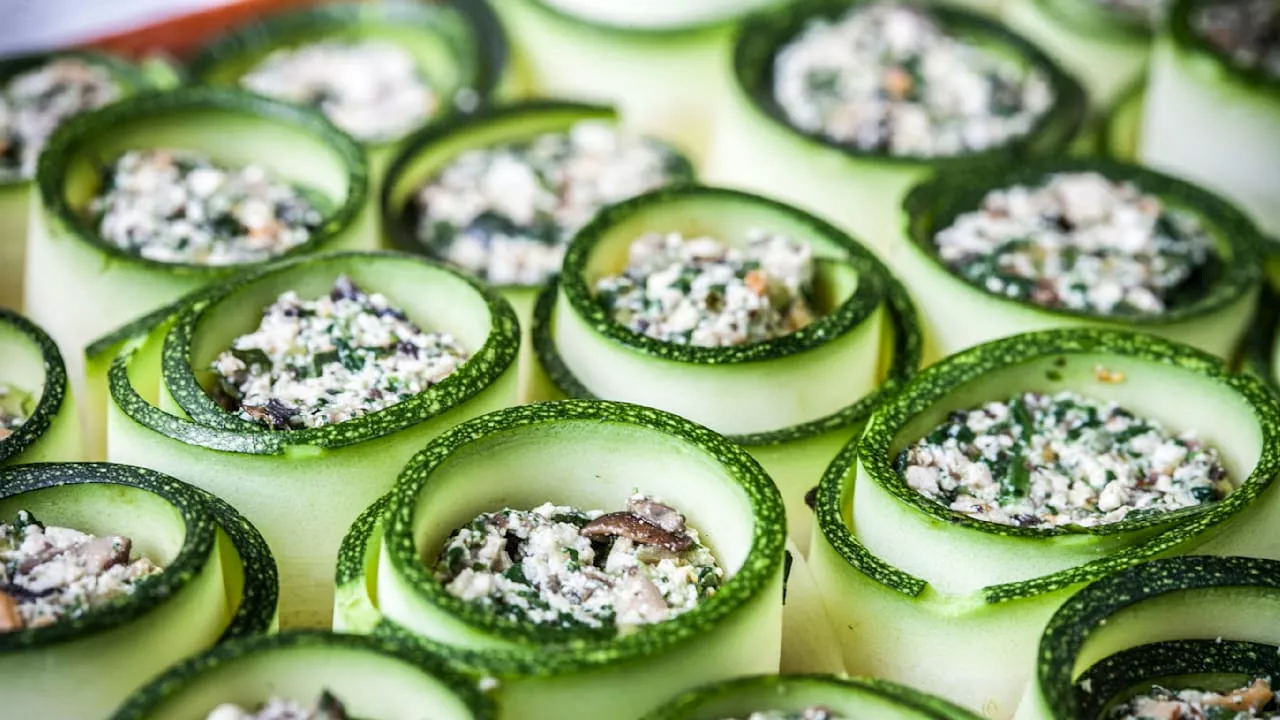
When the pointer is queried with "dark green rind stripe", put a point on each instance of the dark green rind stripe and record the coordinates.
(936, 203)
(256, 612)
(72, 136)
(656, 35)
(52, 397)
(1256, 356)
(1187, 41)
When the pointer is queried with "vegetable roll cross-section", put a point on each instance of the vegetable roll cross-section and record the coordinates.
(37, 415)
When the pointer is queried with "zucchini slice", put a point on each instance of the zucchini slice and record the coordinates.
(1208, 623)
(1193, 91)
(922, 594)
(589, 455)
(1211, 309)
(373, 677)
(161, 412)
(218, 582)
(756, 148)
(36, 390)
(791, 401)
(1120, 132)
(791, 694)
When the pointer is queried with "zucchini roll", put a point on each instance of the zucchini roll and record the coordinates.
(1215, 77)
(298, 392)
(38, 93)
(997, 482)
(1187, 637)
(38, 420)
(808, 697)
(309, 674)
(1120, 131)
(589, 559)
(751, 317)
(379, 71)
(840, 106)
(500, 193)
(111, 573)
(1088, 242)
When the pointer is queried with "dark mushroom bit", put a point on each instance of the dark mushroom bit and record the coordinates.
(814, 712)
(1253, 701)
(561, 566)
(328, 708)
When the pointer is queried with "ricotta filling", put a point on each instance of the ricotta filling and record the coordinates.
(1247, 32)
(1253, 701)
(49, 573)
(372, 89)
(701, 291)
(1081, 242)
(564, 567)
(813, 712)
(1045, 461)
(176, 206)
(36, 102)
(327, 708)
(505, 213)
(316, 362)
(13, 410)
(887, 78)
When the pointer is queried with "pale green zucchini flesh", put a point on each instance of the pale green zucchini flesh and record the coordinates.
(31, 364)
(1120, 134)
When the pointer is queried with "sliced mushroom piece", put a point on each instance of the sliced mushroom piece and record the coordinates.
(664, 516)
(637, 529)
(638, 600)
(1255, 697)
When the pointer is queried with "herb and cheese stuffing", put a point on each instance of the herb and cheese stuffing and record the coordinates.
(315, 362)
(1245, 31)
(565, 567)
(36, 102)
(701, 291)
(13, 412)
(505, 213)
(175, 206)
(1256, 700)
(371, 89)
(887, 78)
(48, 573)
(815, 712)
(1080, 242)
(1045, 461)
(327, 708)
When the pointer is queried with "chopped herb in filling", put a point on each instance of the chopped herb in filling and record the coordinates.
(1253, 701)
(34, 103)
(815, 712)
(564, 567)
(701, 291)
(49, 573)
(14, 410)
(316, 362)
(1043, 461)
(181, 207)
(1080, 242)
(887, 78)
(327, 708)
(505, 213)
(371, 89)
(1246, 31)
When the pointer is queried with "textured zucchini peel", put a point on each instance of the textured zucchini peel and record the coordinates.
(54, 394)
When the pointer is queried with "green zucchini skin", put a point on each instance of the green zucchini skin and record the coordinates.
(1216, 322)
(160, 414)
(395, 680)
(580, 673)
(1120, 131)
(991, 598)
(30, 357)
(218, 582)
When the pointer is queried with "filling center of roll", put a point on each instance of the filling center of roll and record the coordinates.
(14, 410)
(328, 707)
(35, 102)
(1245, 31)
(48, 573)
(1081, 242)
(813, 712)
(565, 567)
(888, 78)
(316, 362)
(701, 291)
(1043, 461)
(1253, 701)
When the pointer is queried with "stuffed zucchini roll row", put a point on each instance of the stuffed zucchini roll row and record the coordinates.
(297, 394)
(590, 559)
(753, 318)
(998, 481)
(38, 420)
(312, 675)
(111, 573)
(1188, 637)
(841, 106)
(1060, 243)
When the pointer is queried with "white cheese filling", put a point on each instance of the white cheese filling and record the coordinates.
(1254, 701)
(814, 712)
(276, 708)
(36, 102)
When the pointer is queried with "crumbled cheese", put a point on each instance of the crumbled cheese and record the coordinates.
(1044, 461)
(1253, 701)
(701, 291)
(561, 566)
(181, 207)
(13, 412)
(35, 102)
(49, 573)
(1246, 31)
(328, 708)
(887, 78)
(506, 212)
(372, 89)
(316, 362)
(814, 712)
(1079, 241)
